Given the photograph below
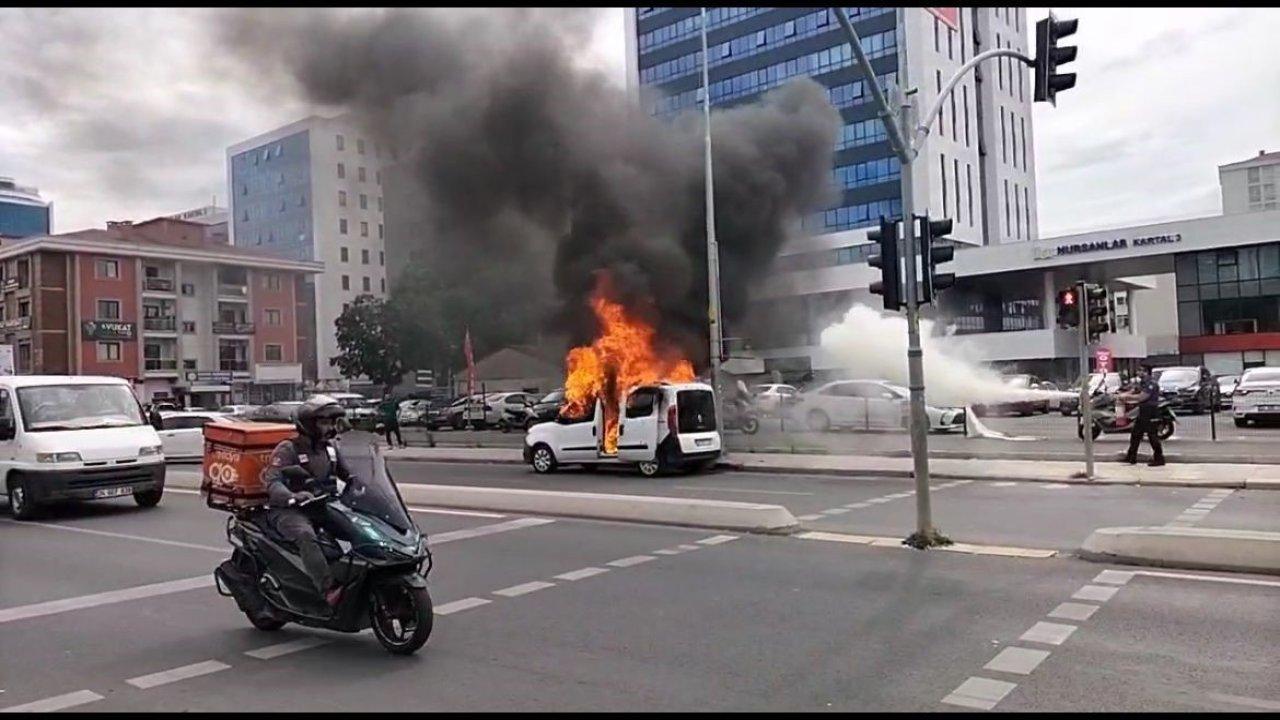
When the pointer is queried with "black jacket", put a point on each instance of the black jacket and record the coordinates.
(321, 459)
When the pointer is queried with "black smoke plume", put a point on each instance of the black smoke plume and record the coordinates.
(518, 155)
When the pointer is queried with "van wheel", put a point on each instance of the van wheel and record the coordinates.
(544, 461)
(21, 506)
(1241, 422)
(818, 421)
(649, 468)
(148, 498)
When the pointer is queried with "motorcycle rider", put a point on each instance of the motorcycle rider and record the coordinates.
(1147, 396)
(313, 451)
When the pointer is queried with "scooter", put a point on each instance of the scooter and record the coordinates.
(742, 415)
(1107, 420)
(376, 552)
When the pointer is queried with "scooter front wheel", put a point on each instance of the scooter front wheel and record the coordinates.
(1165, 431)
(401, 617)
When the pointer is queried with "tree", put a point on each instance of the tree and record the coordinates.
(369, 336)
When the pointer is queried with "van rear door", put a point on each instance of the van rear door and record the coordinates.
(696, 421)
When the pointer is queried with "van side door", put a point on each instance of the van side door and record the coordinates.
(638, 426)
(8, 438)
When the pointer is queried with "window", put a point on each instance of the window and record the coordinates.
(950, 44)
(966, 115)
(189, 327)
(273, 317)
(188, 289)
(1006, 207)
(108, 310)
(342, 143)
(108, 351)
(342, 225)
(378, 176)
(937, 36)
(942, 172)
(364, 229)
(1017, 211)
(273, 352)
(342, 198)
(360, 146)
(968, 183)
(360, 174)
(302, 201)
(380, 237)
(1000, 64)
(24, 308)
(1026, 206)
(1004, 150)
(384, 284)
(342, 171)
(1013, 139)
(189, 364)
(956, 167)
(942, 111)
(366, 284)
(1023, 123)
(379, 203)
(346, 283)
(364, 257)
(364, 201)
(280, 180)
(282, 204)
(1252, 175)
(342, 254)
(107, 269)
(382, 258)
(952, 99)
(273, 282)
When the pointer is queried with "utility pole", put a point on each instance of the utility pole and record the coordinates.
(1086, 398)
(713, 248)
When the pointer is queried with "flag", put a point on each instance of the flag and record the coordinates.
(471, 364)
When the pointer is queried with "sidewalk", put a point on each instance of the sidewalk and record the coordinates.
(1235, 475)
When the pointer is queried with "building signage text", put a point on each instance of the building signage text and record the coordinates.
(1116, 244)
(106, 330)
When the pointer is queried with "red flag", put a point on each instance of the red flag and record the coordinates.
(471, 364)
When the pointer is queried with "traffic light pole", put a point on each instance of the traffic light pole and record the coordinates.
(1086, 399)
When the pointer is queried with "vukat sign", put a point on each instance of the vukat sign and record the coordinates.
(948, 15)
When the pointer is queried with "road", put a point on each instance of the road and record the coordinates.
(680, 619)
(1048, 437)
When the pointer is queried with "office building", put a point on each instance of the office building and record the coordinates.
(22, 211)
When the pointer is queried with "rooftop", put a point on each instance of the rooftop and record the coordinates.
(1262, 158)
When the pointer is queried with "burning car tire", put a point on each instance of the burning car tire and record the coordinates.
(544, 461)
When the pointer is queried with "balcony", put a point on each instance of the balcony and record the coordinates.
(233, 291)
(161, 364)
(232, 328)
(10, 284)
(232, 365)
(18, 323)
(158, 284)
(161, 324)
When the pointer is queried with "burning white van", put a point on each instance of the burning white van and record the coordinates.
(664, 426)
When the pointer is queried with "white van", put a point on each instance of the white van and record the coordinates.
(665, 426)
(75, 438)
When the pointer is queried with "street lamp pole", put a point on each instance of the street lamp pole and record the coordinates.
(713, 248)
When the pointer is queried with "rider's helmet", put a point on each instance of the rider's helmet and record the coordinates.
(319, 407)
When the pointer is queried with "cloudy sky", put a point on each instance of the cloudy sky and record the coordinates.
(126, 114)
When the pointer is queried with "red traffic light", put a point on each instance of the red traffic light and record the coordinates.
(1068, 297)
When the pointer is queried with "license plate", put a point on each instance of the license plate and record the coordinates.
(702, 442)
(112, 492)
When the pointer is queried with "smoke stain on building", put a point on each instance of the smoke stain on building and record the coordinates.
(519, 160)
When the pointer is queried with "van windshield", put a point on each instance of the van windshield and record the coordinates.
(78, 407)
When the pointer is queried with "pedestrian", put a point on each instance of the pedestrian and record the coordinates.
(1147, 396)
(391, 421)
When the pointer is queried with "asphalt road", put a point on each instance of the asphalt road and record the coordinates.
(736, 623)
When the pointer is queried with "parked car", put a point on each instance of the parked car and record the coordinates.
(362, 412)
(1071, 406)
(412, 412)
(869, 405)
(510, 409)
(548, 407)
(1226, 390)
(468, 410)
(775, 398)
(1257, 396)
(285, 411)
(1186, 388)
(182, 433)
(240, 411)
(1028, 406)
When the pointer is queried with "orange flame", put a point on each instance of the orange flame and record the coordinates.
(621, 357)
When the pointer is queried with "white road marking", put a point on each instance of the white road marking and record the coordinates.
(1055, 486)
(122, 536)
(1246, 701)
(629, 561)
(815, 516)
(1005, 483)
(1114, 577)
(179, 673)
(523, 588)
(274, 651)
(688, 547)
(878, 500)
(57, 702)
(667, 551)
(459, 605)
(1221, 492)
(1017, 660)
(1195, 511)
(741, 490)
(1207, 578)
(1073, 611)
(717, 539)
(52, 607)
(583, 573)
(483, 530)
(961, 482)
(1048, 633)
(1096, 593)
(980, 693)
(857, 505)
(900, 495)
(835, 511)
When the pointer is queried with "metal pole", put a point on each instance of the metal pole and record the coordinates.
(713, 248)
(1086, 404)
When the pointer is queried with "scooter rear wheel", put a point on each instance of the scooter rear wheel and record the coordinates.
(265, 624)
(401, 617)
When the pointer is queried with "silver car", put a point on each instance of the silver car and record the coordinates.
(868, 405)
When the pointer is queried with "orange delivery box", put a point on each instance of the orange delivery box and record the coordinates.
(236, 455)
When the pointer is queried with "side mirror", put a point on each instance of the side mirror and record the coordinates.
(7, 429)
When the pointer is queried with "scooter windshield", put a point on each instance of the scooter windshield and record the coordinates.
(377, 496)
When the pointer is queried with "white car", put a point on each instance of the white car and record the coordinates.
(868, 405)
(361, 411)
(182, 433)
(241, 410)
(1257, 396)
(773, 398)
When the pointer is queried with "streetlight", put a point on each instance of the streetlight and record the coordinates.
(713, 248)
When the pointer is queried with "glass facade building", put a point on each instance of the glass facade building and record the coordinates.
(272, 199)
(22, 212)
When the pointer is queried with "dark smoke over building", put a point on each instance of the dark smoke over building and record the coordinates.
(516, 156)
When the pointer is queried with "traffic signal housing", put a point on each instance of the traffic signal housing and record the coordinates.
(890, 283)
(1049, 57)
(936, 248)
(1068, 308)
(1098, 311)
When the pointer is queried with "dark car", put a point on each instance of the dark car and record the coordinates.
(1187, 388)
(548, 407)
(1018, 407)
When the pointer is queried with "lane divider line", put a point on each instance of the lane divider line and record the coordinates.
(717, 539)
(121, 536)
(524, 588)
(1017, 660)
(55, 703)
(1096, 593)
(630, 561)
(979, 693)
(53, 607)
(164, 677)
(1048, 633)
(450, 608)
(412, 508)
(585, 572)
(1073, 611)
(270, 652)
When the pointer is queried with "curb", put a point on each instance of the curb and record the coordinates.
(1191, 548)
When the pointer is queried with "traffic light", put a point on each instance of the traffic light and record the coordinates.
(935, 231)
(1068, 308)
(890, 283)
(1098, 311)
(1049, 57)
